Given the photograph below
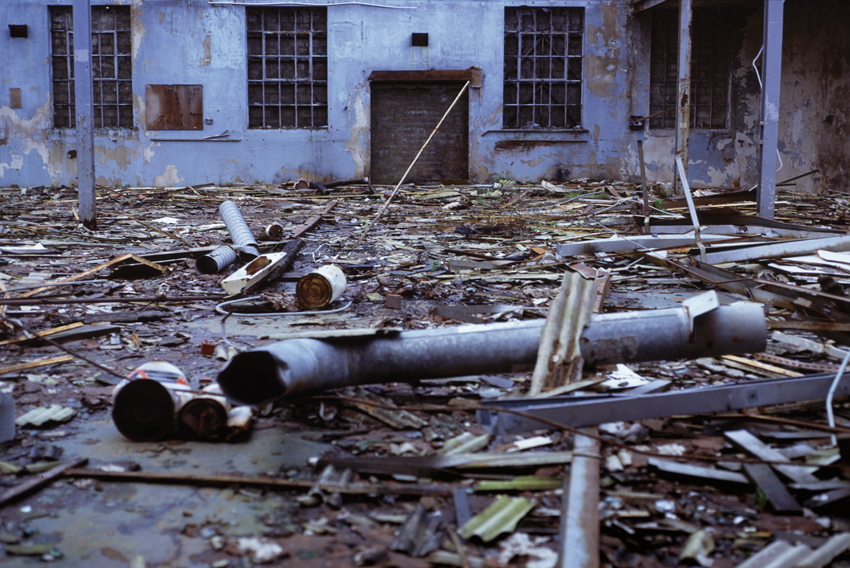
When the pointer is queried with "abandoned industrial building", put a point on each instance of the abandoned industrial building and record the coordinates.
(396, 283)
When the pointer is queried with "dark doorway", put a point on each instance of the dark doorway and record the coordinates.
(403, 115)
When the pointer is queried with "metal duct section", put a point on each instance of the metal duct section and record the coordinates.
(240, 234)
(217, 260)
(298, 366)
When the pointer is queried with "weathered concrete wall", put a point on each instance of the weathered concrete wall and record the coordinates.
(193, 42)
(814, 119)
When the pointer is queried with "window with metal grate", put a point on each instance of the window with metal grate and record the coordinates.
(287, 68)
(543, 68)
(112, 67)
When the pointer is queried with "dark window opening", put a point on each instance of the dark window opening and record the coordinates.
(710, 65)
(112, 68)
(287, 68)
(543, 67)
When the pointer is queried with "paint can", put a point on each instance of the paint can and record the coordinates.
(146, 403)
(321, 287)
(274, 231)
(205, 415)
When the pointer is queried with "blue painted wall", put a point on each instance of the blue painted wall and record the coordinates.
(196, 42)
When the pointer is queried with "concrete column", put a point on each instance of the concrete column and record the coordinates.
(771, 71)
(683, 101)
(84, 112)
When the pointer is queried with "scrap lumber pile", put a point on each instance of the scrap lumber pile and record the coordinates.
(718, 459)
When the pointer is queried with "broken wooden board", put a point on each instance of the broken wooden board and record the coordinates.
(796, 473)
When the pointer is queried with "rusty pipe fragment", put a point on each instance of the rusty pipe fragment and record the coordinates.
(240, 234)
(298, 366)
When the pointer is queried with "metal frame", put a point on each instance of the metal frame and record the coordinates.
(287, 67)
(710, 92)
(592, 410)
(543, 67)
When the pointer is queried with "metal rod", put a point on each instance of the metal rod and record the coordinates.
(84, 107)
(298, 366)
(410, 167)
(243, 241)
(683, 177)
(643, 188)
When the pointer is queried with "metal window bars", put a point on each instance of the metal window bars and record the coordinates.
(543, 67)
(287, 67)
(111, 66)
(710, 68)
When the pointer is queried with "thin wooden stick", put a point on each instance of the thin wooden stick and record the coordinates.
(410, 167)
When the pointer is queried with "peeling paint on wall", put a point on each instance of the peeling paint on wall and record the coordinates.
(169, 178)
(123, 155)
(16, 163)
(137, 26)
(602, 61)
(25, 135)
(358, 142)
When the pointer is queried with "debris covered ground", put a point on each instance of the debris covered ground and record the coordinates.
(404, 474)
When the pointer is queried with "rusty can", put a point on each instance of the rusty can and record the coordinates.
(321, 287)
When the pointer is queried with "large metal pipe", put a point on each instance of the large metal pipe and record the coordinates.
(240, 234)
(298, 366)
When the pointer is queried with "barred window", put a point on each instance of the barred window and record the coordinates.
(111, 66)
(287, 68)
(710, 65)
(543, 67)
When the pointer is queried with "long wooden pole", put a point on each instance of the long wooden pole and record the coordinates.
(410, 167)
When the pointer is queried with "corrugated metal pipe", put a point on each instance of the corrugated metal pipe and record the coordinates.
(217, 260)
(298, 366)
(240, 234)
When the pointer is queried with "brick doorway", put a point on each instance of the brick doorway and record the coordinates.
(403, 115)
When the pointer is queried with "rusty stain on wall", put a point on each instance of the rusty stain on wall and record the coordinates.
(207, 58)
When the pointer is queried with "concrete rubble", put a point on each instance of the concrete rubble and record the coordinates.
(409, 469)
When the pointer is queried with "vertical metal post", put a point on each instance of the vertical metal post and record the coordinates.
(771, 76)
(683, 100)
(84, 112)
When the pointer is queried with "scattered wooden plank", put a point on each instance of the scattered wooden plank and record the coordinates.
(38, 480)
(313, 221)
(705, 474)
(826, 553)
(99, 267)
(780, 498)
(762, 368)
(796, 473)
(36, 364)
(218, 480)
(44, 333)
